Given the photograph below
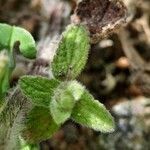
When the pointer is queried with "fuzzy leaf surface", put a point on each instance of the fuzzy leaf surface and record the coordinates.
(61, 106)
(38, 89)
(72, 53)
(64, 99)
(76, 89)
(39, 125)
(91, 113)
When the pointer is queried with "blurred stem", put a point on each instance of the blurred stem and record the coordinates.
(5, 85)
(11, 120)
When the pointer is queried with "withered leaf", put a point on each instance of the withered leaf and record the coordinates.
(101, 17)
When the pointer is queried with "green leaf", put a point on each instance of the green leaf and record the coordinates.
(9, 35)
(72, 53)
(89, 112)
(64, 99)
(38, 89)
(62, 103)
(27, 44)
(5, 36)
(39, 125)
(61, 106)
(76, 89)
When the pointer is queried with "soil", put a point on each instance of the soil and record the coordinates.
(117, 72)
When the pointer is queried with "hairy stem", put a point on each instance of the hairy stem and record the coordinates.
(11, 119)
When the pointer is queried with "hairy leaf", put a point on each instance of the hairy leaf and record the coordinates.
(38, 89)
(72, 53)
(76, 89)
(89, 112)
(61, 106)
(39, 125)
(64, 100)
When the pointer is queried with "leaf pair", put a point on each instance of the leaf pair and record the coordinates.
(39, 124)
(63, 101)
(57, 101)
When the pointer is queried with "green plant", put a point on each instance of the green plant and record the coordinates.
(9, 36)
(53, 101)
(61, 98)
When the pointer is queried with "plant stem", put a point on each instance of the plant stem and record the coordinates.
(11, 121)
